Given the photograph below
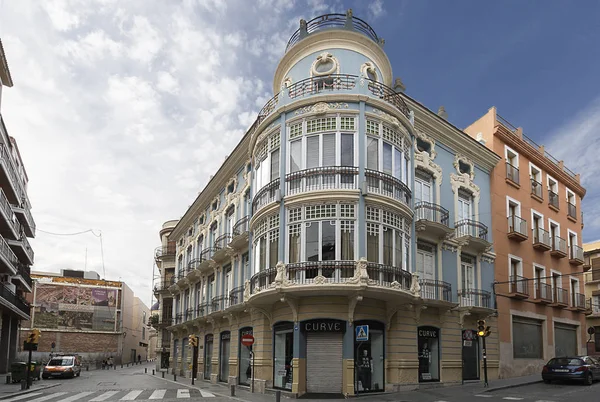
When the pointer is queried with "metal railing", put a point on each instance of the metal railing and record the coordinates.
(27, 212)
(10, 168)
(335, 271)
(389, 95)
(165, 251)
(25, 272)
(236, 296)
(571, 210)
(519, 284)
(178, 318)
(474, 298)
(512, 173)
(578, 300)
(553, 199)
(435, 290)
(266, 195)
(321, 83)
(222, 241)
(385, 275)
(5, 206)
(189, 314)
(167, 320)
(241, 226)
(593, 306)
(15, 300)
(559, 244)
(328, 21)
(560, 296)
(541, 236)
(202, 309)
(431, 212)
(262, 279)
(26, 246)
(164, 285)
(6, 251)
(517, 225)
(385, 184)
(194, 264)
(543, 291)
(470, 227)
(575, 252)
(537, 189)
(219, 303)
(208, 253)
(322, 178)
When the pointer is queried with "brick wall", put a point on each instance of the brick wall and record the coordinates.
(76, 342)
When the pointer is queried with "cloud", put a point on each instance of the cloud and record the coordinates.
(376, 9)
(577, 143)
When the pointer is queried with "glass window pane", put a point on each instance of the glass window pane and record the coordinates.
(398, 163)
(328, 241)
(273, 252)
(387, 158)
(373, 247)
(398, 249)
(294, 245)
(274, 165)
(347, 243)
(329, 150)
(312, 241)
(388, 244)
(372, 153)
(347, 150)
(312, 152)
(296, 156)
(263, 253)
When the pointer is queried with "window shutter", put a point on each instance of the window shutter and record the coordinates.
(274, 164)
(312, 152)
(296, 156)
(347, 150)
(329, 150)
(372, 153)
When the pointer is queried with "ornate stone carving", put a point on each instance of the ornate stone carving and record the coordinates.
(449, 247)
(281, 279)
(488, 258)
(319, 280)
(360, 273)
(396, 285)
(246, 290)
(464, 180)
(388, 118)
(231, 253)
(415, 287)
(368, 67)
(458, 159)
(325, 58)
(321, 107)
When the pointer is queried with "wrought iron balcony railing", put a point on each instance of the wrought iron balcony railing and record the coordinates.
(335, 271)
(262, 279)
(431, 212)
(470, 227)
(222, 241)
(512, 173)
(266, 195)
(517, 225)
(537, 189)
(164, 285)
(519, 284)
(241, 226)
(578, 301)
(236, 296)
(474, 298)
(208, 253)
(553, 199)
(385, 275)
(322, 83)
(178, 318)
(202, 309)
(385, 184)
(168, 251)
(435, 290)
(543, 292)
(571, 210)
(322, 178)
(219, 303)
(560, 296)
(194, 264)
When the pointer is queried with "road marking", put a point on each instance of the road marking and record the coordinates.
(158, 394)
(45, 398)
(18, 398)
(183, 393)
(206, 394)
(132, 395)
(484, 396)
(512, 398)
(104, 396)
(76, 397)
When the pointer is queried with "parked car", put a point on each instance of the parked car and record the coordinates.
(63, 366)
(577, 368)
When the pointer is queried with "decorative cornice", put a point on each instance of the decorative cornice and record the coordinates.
(321, 107)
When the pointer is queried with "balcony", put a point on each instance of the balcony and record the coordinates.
(512, 174)
(9, 226)
(474, 298)
(435, 290)
(519, 287)
(322, 178)
(202, 310)
(537, 190)
(593, 307)
(333, 21)
(553, 200)
(22, 248)
(575, 255)
(24, 276)
(206, 258)
(221, 249)
(236, 296)
(165, 321)
(387, 185)
(13, 302)
(541, 239)
(560, 297)
(163, 287)
(165, 252)
(474, 232)
(432, 218)
(559, 247)
(239, 241)
(219, 303)
(266, 195)
(8, 259)
(543, 293)
(571, 211)
(189, 314)
(24, 216)
(178, 319)
(578, 302)
(517, 228)
(9, 180)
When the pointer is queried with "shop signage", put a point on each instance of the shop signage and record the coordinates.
(209, 338)
(225, 336)
(323, 326)
(428, 332)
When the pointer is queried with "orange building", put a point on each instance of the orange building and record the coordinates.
(537, 227)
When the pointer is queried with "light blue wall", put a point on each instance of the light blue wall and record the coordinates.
(487, 277)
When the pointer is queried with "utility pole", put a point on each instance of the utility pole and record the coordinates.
(483, 332)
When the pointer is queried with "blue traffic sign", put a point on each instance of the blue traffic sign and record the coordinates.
(362, 333)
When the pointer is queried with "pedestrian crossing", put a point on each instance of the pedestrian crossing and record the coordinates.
(113, 395)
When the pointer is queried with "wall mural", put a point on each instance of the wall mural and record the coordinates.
(75, 308)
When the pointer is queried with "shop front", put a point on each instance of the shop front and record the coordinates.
(429, 353)
(470, 355)
(283, 348)
(369, 357)
(324, 351)
(224, 349)
(208, 352)
(245, 358)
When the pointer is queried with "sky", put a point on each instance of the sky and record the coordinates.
(123, 110)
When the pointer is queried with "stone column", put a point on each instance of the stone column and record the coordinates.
(5, 344)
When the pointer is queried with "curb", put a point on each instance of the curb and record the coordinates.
(30, 390)
(522, 384)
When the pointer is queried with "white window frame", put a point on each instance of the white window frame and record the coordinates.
(519, 272)
(508, 150)
(572, 194)
(510, 200)
(531, 176)
(578, 287)
(550, 222)
(539, 215)
(551, 187)
(552, 272)
(569, 233)
(543, 278)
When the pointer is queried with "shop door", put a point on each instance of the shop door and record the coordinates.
(470, 355)
(208, 352)
(565, 340)
(224, 357)
(324, 362)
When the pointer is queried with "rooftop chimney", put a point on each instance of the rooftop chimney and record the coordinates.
(442, 113)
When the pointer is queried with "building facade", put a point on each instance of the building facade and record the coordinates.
(77, 312)
(16, 225)
(591, 253)
(537, 222)
(347, 232)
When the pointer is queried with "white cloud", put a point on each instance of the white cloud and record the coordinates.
(577, 143)
(376, 9)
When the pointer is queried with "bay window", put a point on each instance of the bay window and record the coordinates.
(266, 243)
(387, 151)
(387, 238)
(266, 161)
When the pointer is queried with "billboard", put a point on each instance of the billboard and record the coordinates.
(75, 307)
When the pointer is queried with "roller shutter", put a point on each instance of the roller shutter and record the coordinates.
(324, 362)
(565, 340)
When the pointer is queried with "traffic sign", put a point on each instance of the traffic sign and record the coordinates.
(247, 340)
(362, 333)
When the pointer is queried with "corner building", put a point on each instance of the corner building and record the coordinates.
(347, 204)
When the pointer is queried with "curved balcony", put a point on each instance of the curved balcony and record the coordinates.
(474, 232)
(333, 278)
(206, 257)
(189, 314)
(163, 286)
(239, 238)
(219, 303)
(236, 296)
(178, 319)
(332, 21)
(202, 310)
(165, 252)
(432, 219)
(221, 243)
(266, 195)
(322, 178)
(435, 290)
(387, 185)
